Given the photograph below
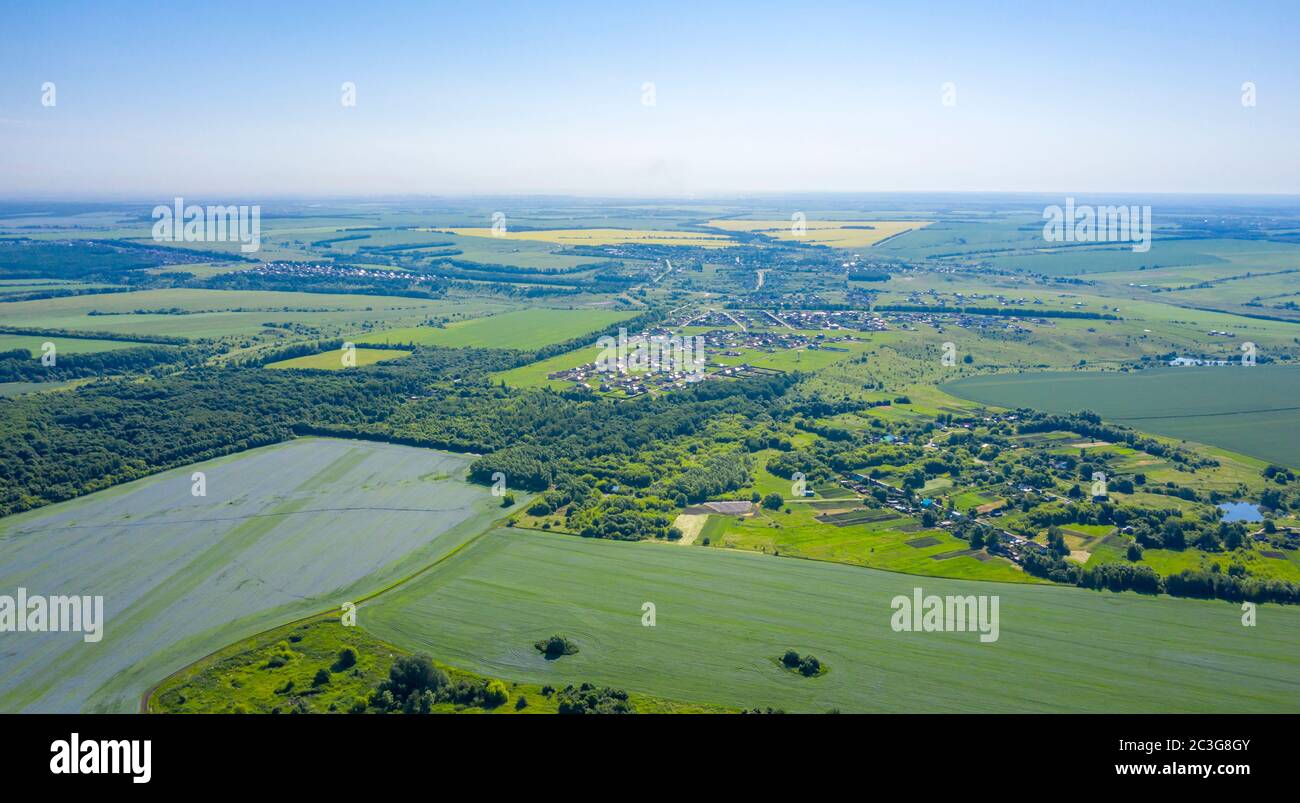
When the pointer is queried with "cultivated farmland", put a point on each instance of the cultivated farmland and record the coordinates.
(833, 233)
(1248, 410)
(214, 313)
(722, 615)
(521, 329)
(571, 237)
(283, 531)
(63, 345)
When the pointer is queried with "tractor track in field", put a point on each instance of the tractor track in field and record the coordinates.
(1205, 415)
(215, 519)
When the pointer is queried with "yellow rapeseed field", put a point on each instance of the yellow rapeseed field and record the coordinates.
(606, 237)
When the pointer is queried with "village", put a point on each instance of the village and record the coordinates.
(660, 359)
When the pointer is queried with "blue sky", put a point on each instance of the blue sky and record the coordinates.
(243, 99)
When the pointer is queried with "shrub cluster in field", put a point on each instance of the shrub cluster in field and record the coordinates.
(414, 686)
(590, 699)
(806, 665)
(556, 647)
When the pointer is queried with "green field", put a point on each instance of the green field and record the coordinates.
(214, 313)
(63, 345)
(333, 360)
(283, 531)
(521, 329)
(723, 615)
(534, 375)
(1253, 411)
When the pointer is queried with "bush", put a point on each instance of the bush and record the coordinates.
(587, 699)
(322, 677)
(494, 694)
(347, 659)
(556, 647)
(806, 665)
(408, 678)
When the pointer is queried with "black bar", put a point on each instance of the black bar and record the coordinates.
(969, 752)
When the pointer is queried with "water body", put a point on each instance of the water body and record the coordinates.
(1241, 511)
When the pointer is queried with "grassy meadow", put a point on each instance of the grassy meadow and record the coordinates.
(333, 360)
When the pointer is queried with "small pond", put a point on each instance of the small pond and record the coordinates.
(1241, 511)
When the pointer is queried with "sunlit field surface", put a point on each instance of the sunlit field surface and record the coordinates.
(606, 237)
(1255, 410)
(198, 313)
(833, 233)
(283, 531)
(723, 617)
(333, 360)
(521, 329)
